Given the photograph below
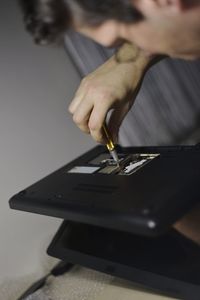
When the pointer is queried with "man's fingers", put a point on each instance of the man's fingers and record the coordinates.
(79, 96)
(74, 104)
(96, 121)
(82, 114)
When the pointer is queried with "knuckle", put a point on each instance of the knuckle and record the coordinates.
(98, 93)
(94, 125)
(106, 94)
(92, 89)
(77, 119)
(107, 99)
(84, 129)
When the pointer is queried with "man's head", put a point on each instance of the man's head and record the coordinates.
(170, 27)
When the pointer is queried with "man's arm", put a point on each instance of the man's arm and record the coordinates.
(114, 85)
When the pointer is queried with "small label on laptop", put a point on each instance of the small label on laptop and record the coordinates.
(84, 169)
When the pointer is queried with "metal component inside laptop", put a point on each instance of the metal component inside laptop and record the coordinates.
(104, 164)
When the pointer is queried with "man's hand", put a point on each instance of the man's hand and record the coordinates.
(113, 86)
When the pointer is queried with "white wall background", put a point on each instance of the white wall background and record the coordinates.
(37, 135)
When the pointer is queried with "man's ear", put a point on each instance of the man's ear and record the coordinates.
(147, 7)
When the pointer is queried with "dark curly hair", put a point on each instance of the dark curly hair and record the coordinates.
(48, 20)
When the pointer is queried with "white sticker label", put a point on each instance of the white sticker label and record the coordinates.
(137, 162)
(84, 169)
(133, 166)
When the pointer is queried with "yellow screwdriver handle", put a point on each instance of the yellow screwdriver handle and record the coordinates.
(110, 144)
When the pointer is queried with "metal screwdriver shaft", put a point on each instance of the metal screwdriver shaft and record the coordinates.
(110, 145)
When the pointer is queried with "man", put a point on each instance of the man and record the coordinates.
(152, 27)
(145, 31)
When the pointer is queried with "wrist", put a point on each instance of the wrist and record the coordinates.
(130, 54)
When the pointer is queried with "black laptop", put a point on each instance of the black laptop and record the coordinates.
(169, 264)
(152, 188)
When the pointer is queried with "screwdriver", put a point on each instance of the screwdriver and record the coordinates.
(110, 145)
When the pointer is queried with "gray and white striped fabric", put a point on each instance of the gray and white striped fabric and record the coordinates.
(167, 109)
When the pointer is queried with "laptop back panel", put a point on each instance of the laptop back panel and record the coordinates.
(153, 188)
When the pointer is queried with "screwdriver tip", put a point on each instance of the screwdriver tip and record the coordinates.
(115, 157)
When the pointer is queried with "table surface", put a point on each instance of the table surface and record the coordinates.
(121, 289)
